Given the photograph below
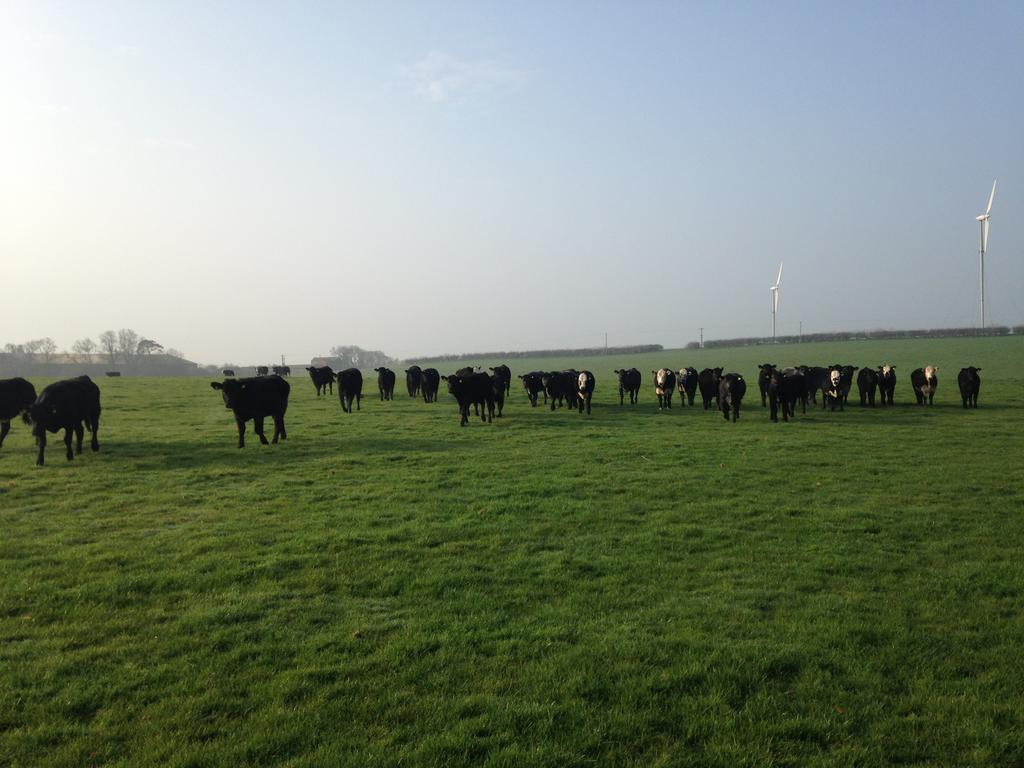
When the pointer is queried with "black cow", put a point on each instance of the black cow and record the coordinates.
(323, 378)
(473, 389)
(228, 372)
(350, 387)
(585, 383)
(763, 378)
(708, 380)
(886, 383)
(256, 399)
(686, 380)
(629, 382)
(867, 384)
(506, 375)
(413, 380)
(773, 391)
(968, 380)
(282, 370)
(925, 382)
(386, 383)
(816, 378)
(262, 370)
(560, 387)
(664, 386)
(16, 397)
(429, 382)
(533, 383)
(731, 389)
(498, 389)
(794, 389)
(468, 370)
(67, 405)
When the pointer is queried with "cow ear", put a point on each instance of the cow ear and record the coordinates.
(977, 369)
(216, 385)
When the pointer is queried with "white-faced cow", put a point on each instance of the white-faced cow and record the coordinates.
(968, 380)
(925, 382)
(585, 383)
(430, 380)
(708, 380)
(255, 399)
(16, 397)
(867, 384)
(533, 383)
(886, 383)
(350, 387)
(413, 380)
(731, 390)
(323, 378)
(385, 383)
(67, 405)
(664, 386)
(687, 383)
(629, 382)
(833, 393)
(764, 376)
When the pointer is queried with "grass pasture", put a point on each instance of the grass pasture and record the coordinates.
(633, 588)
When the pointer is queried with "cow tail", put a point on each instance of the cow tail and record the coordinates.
(25, 416)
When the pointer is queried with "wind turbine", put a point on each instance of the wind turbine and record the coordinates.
(984, 243)
(775, 298)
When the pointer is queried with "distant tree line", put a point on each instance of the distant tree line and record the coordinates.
(111, 349)
(927, 333)
(578, 352)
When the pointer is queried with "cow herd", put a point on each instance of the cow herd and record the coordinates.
(74, 404)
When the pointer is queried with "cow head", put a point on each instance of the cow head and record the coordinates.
(929, 372)
(833, 377)
(230, 389)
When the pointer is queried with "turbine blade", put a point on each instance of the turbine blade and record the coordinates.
(991, 197)
(779, 278)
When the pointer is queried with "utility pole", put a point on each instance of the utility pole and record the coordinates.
(702, 337)
(282, 359)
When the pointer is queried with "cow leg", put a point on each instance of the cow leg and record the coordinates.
(359, 399)
(42, 447)
(257, 427)
(775, 410)
(5, 427)
(735, 413)
(241, 432)
(67, 442)
(622, 396)
(79, 434)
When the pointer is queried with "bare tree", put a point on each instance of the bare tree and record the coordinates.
(83, 349)
(47, 349)
(127, 343)
(108, 343)
(32, 347)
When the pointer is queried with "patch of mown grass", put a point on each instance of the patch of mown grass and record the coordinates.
(633, 588)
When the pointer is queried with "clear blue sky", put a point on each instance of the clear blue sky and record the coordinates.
(245, 180)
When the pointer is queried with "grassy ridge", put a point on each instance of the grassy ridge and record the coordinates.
(636, 588)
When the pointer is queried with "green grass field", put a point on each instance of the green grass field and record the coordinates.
(630, 589)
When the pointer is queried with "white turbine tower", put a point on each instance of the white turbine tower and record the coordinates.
(984, 244)
(775, 298)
